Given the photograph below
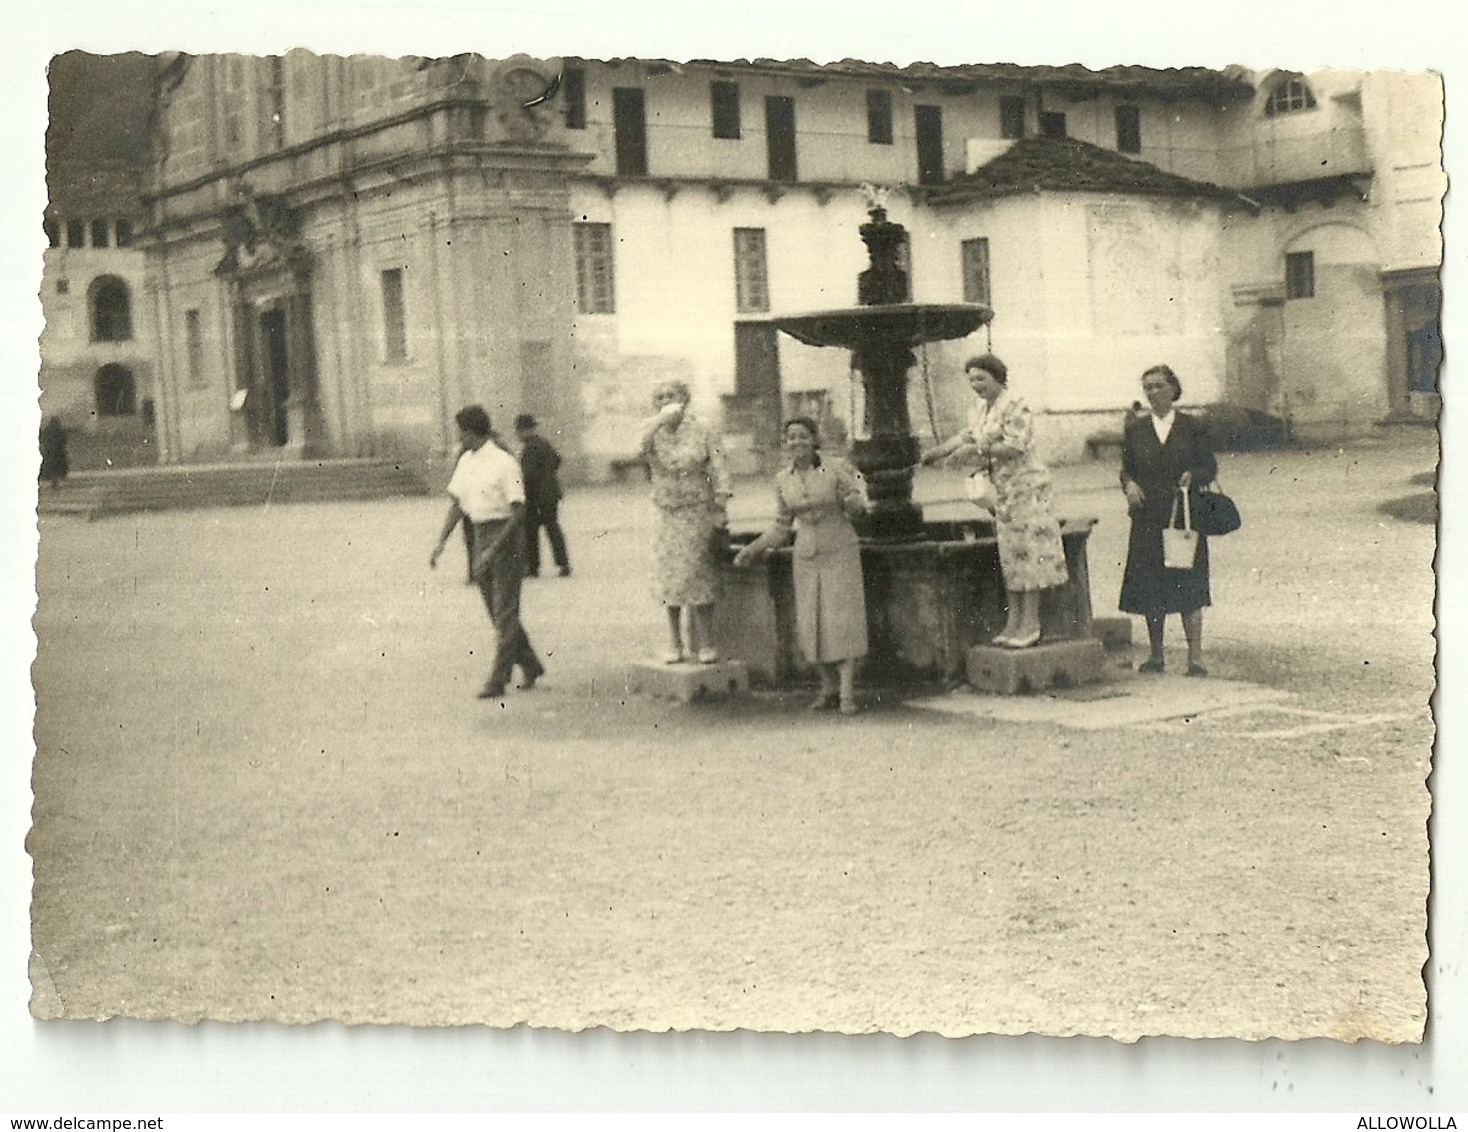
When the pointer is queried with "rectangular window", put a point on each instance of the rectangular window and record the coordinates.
(1128, 129)
(1011, 116)
(780, 137)
(99, 234)
(595, 279)
(629, 124)
(76, 233)
(394, 317)
(234, 95)
(1300, 275)
(1052, 124)
(976, 271)
(879, 117)
(276, 102)
(573, 95)
(724, 102)
(53, 232)
(194, 341)
(124, 233)
(751, 271)
(929, 121)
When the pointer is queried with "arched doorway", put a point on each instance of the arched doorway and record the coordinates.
(109, 310)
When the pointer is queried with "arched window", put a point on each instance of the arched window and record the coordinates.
(1288, 96)
(111, 310)
(115, 391)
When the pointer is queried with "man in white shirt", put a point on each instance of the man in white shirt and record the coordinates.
(487, 488)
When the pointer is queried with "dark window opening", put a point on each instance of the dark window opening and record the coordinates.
(76, 233)
(1011, 116)
(124, 233)
(1052, 124)
(115, 391)
(277, 101)
(194, 340)
(629, 124)
(99, 234)
(1288, 97)
(594, 269)
(573, 94)
(111, 310)
(724, 104)
(1128, 129)
(780, 137)
(394, 316)
(976, 271)
(1300, 275)
(879, 117)
(929, 120)
(53, 232)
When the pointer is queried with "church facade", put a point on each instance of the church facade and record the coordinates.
(342, 251)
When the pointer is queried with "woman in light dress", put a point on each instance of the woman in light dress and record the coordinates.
(690, 490)
(818, 498)
(1000, 433)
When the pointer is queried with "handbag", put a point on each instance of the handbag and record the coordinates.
(1180, 543)
(1217, 514)
(978, 489)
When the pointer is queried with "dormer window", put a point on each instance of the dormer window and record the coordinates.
(1288, 96)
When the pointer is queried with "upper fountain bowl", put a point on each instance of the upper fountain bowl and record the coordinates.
(909, 323)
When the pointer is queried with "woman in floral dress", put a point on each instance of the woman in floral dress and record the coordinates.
(690, 488)
(1031, 555)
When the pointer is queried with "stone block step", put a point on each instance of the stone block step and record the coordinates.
(688, 682)
(1046, 666)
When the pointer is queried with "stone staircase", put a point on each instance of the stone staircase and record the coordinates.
(120, 491)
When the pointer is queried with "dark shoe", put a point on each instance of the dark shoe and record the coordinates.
(492, 692)
(530, 678)
(565, 571)
(1197, 670)
(1150, 666)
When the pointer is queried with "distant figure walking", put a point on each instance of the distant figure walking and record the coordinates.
(690, 488)
(488, 489)
(1164, 452)
(54, 462)
(539, 463)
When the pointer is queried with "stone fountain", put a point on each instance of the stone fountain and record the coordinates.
(934, 592)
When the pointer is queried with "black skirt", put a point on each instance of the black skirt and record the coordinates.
(1150, 588)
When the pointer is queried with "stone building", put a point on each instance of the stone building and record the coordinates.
(98, 350)
(341, 251)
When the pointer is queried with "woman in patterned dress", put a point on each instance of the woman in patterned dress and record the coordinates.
(819, 498)
(1031, 555)
(690, 487)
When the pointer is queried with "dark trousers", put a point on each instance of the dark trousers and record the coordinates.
(547, 516)
(499, 583)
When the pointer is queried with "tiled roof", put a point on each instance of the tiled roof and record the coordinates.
(1038, 164)
(1202, 83)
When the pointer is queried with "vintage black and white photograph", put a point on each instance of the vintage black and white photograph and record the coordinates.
(576, 540)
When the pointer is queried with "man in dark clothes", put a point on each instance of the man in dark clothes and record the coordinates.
(538, 463)
(54, 462)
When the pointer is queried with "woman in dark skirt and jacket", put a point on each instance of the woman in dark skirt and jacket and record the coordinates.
(1163, 451)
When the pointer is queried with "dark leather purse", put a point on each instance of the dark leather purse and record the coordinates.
(1214, 513)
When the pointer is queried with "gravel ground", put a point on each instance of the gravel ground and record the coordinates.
(264, 789)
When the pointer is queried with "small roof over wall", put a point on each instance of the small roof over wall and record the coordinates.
(1034, 165)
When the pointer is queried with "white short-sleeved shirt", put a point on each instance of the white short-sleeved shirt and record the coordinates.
(486, 481)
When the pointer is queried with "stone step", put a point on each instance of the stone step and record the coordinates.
(126, 490)
(1042, 668)
(687, 682)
